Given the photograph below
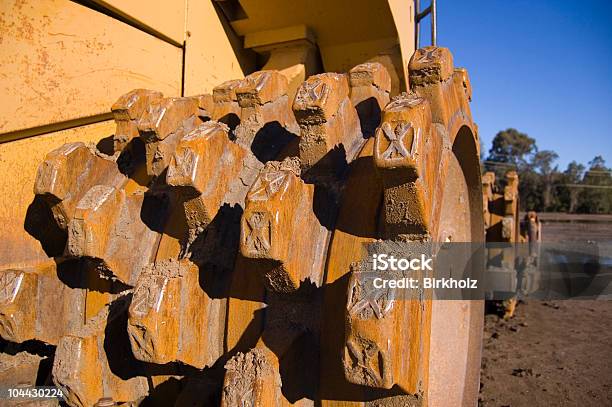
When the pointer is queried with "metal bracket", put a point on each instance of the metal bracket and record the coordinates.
(419, 15)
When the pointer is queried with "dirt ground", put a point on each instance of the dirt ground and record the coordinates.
(555, 353)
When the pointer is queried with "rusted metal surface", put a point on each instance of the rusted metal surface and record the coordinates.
(267, 125)
(370, 89)
(161, 127)
(64, 62)
(502, 216)
(18, 369)
(200, 180)
(279, 204)
(501, 213)
(158, 334)
(22, 214)
(36, 305)
(502, 208)
(252, 379)
(328, 122)
(127, 111)
(218, 245)
(93, 363)
(225, 103)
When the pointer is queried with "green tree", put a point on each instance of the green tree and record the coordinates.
(598, 164)
(513, 150)
(542, 187)
(596, 194)
(542, 163)
(530, 191)
(512, 147)
(568, 190)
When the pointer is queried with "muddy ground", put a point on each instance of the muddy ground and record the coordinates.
(555, 353)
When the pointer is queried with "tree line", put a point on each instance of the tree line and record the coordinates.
(543, 187)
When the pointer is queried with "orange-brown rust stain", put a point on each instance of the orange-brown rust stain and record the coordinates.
(62, 61)
(363, 197)
(19, 162)
(356, 226)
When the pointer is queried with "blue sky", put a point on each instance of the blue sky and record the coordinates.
(542, 67)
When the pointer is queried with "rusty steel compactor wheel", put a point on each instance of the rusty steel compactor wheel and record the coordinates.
(210, 258)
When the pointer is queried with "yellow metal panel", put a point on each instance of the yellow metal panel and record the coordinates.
(49, 128)
(403, 15)
(162, 16)
(272, 37)
(348, 32)
(62, 61)
(18, 165)
(210, 58)
(342, 57)
(334, 22)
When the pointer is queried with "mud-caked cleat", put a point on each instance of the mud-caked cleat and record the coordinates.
(488, 185)
(370, 88)
(162, 125)
(36, 305)
(206, 106)
(252, 379)
(88, 366)
(66, 175)
(381, 325)
(225, 103)
(205, 169)
(407, 153)
(278, 205)
(108, 227)
(448, 90)
(20, 369)
(330, 132)
(127, 111)
(267, 125)
(157, 334)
